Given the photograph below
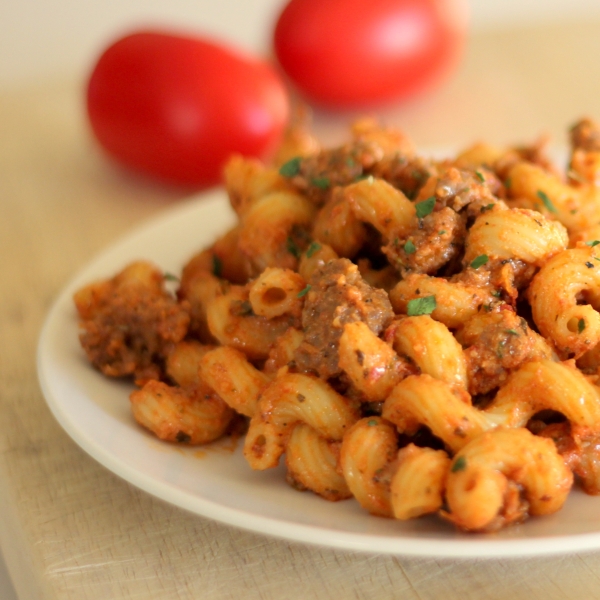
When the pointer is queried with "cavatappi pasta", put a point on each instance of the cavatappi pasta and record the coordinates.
(420, 335)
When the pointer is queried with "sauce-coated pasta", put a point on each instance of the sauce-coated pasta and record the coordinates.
(419, 335)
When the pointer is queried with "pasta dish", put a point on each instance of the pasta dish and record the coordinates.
(419, 334)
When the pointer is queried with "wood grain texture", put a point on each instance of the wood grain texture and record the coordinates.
(72, 530)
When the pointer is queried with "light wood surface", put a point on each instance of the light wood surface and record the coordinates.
(71, 530)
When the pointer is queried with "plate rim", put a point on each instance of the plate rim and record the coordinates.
(467, 546)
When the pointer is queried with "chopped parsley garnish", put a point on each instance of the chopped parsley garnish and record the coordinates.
(479, 261)
(292, 247)
(592, 243)
(480, 176)
(291, 167)
(460, 464)
(500, 348)
(512, 332)
(580, 325)
(421, 306)
(305, 291)
(372, 422)
(409, 247)
(425, 207)
(314, 247)
(171, 277)
(362, 177)
(547, 202)
(241, 308)
(322, 183)
(217, 266)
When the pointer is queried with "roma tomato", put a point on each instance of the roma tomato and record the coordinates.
(361, 52)
(176, 107)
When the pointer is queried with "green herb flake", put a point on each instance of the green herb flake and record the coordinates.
(421, 306)
(292, 247)
(372, 422)
(217, 266)
(580, 325)
(418, 175)
(312, 249)
(479, 261)
(592, 243)
(512, 332)
(305, 291)
(322, 183)
(507, 183)
(497, 294)
(480, 176)
(500, 349)
(425, 207)
(523, 324)
(291, 168)
(241, 309)
(409, 247)
(361, 177)
(442, 232)
(547, 202)
(171, 277)
(460, 464)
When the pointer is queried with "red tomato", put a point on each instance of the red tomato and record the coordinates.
(176, 107)
(360, 52)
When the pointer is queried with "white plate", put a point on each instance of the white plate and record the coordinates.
(216, 482)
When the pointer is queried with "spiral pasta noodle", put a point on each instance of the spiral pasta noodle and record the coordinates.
(418, 336)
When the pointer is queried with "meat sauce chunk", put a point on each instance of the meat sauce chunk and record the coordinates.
(130, 323)
(338, 295)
